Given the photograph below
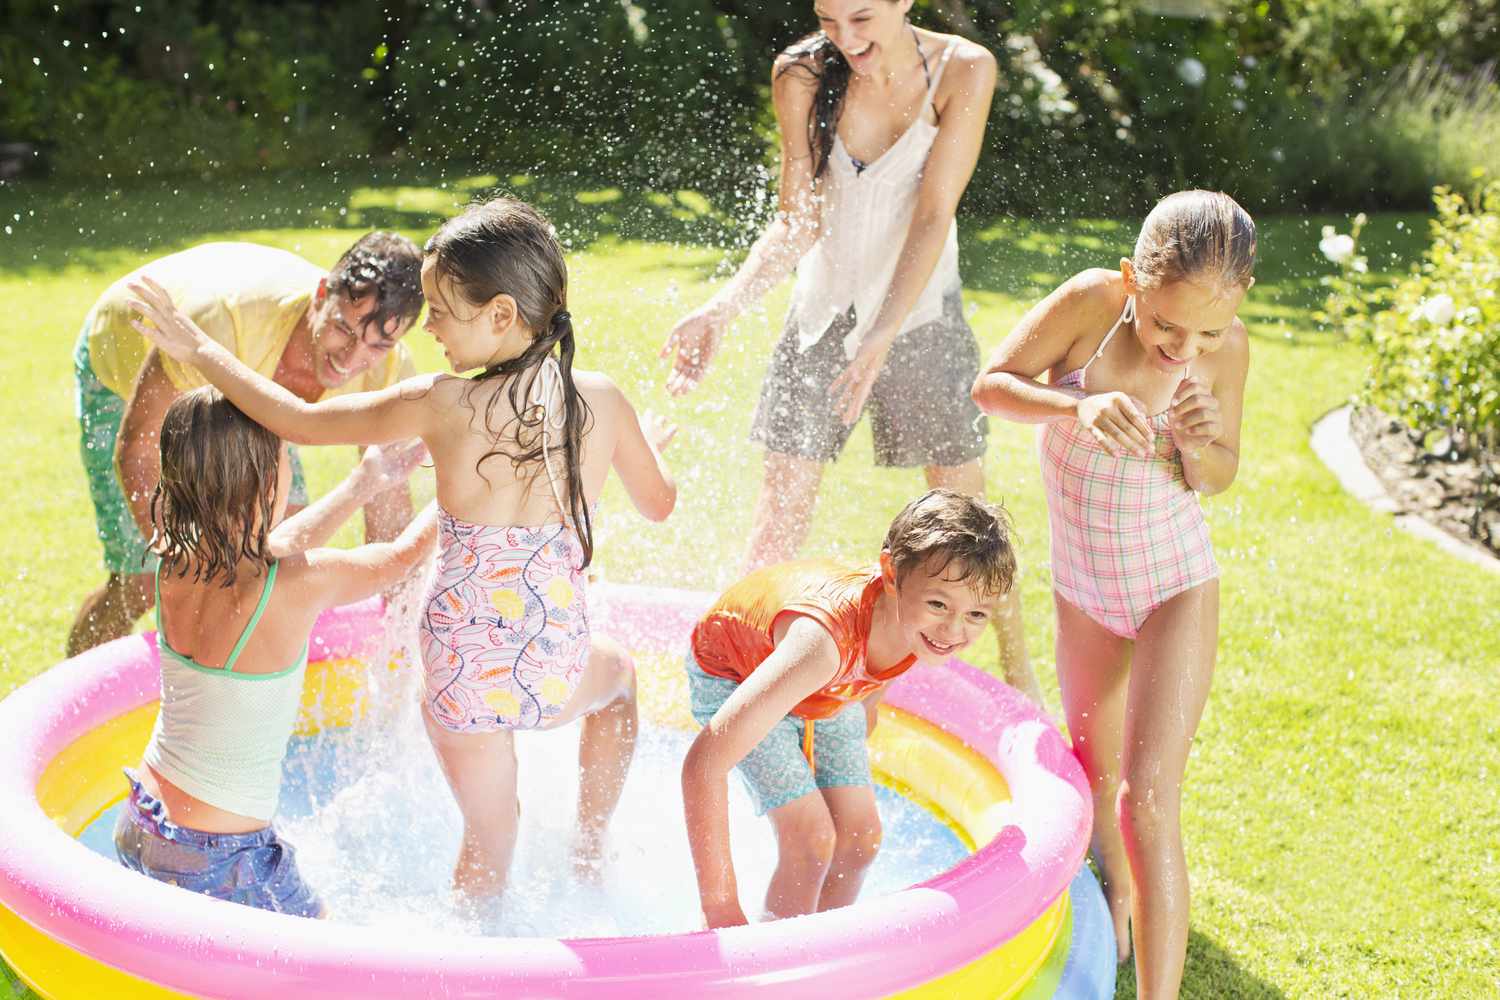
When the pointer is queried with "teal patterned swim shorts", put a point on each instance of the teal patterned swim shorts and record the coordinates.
(99, 414)
(776, 772)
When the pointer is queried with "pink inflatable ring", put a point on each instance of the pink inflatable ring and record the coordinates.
(74, 924)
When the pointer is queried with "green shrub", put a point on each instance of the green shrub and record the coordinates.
(1437, 342)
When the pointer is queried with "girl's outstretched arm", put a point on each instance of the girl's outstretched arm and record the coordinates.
(344, 575)
(380, 469)
(391, 414)
(805, 659)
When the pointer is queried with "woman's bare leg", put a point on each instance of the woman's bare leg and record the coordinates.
(1093, 667)
(783, 510)
(1169, 681)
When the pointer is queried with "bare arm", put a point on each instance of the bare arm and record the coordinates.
(637, 459)
(381, 471)
(387, 513)
(1011, 385)
(794, 230)
(390, 414)
(1205, 416)
(805, 659)
(945, 176)
(138, 445)
(345, 575)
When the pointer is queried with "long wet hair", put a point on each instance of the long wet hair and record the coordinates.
(816, 56)
(217, 493)
(505, 246)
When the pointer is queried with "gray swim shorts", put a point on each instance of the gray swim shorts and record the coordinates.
(920, 410)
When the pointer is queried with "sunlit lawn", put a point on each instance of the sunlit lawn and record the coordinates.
(1341, 812)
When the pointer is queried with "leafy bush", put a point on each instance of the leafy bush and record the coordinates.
(1437, 342)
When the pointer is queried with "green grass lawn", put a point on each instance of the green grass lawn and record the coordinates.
(1341, 819)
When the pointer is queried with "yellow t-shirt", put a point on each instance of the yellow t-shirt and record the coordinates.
(247, 297)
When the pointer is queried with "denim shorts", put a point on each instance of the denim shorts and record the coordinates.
(920, 410)
(776, 771)
(254, 869)
(99, 414)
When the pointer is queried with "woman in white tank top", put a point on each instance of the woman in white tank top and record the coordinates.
(881, 128)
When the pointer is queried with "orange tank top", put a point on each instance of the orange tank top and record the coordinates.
(735, 636)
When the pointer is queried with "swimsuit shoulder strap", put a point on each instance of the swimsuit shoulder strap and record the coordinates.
(936, 78)
(260, 609)
(1127, 315)
(546, 391)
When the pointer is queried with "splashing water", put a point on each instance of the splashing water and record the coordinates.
(376, 832)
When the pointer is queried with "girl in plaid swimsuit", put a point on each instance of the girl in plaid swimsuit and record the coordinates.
(1144, 373)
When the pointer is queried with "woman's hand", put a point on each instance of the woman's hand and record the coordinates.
(168, 327)
(1194, 417)
(1118, 421)
(694, 341)
(852, 387)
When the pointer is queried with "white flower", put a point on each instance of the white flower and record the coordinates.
(1192, 72)
(1237, 82)
(1438, 310)
(1337, 247)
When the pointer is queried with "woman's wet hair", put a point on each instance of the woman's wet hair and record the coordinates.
(816, 56)
(505, 246)
(388, 266)
(944, 528)
(1199, 236)
(217, 493)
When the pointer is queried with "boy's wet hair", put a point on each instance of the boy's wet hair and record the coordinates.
(943, 528)
(1202, 236)
(217, 493)
(388, 266)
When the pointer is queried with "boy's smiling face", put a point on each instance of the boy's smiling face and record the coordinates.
(938, 614)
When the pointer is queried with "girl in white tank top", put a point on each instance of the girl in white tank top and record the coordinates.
(236, 600)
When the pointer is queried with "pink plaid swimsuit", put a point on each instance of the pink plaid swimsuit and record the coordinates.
(1128, 534)
(505, 632)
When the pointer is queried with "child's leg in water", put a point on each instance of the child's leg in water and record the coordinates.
(481, 770)
(606, 700)
(1173, 666)
(856, 827)
(1093, 666)
(806, 839)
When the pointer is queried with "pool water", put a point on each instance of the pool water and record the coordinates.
(376, 832)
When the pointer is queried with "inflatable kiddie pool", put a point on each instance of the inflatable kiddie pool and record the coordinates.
(1019, 917)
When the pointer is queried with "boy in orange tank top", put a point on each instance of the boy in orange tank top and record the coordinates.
(786, 670)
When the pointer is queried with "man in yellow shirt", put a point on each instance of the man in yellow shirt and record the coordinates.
(316, 333)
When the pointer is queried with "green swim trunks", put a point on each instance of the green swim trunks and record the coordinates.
(776, 772)
(99, 414)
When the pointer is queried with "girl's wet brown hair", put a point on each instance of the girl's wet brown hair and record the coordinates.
(943, 528)
(217, 493)
(505, 246)
(1199, 236)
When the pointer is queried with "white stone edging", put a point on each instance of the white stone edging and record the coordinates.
(1334, 444)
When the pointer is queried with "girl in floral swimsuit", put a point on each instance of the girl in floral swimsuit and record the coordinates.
(505, 634)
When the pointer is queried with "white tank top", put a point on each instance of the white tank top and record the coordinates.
(866, 212)
(221, 736)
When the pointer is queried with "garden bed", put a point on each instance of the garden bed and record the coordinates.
(1430, 478)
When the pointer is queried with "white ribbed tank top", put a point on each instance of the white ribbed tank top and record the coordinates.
(221, 736)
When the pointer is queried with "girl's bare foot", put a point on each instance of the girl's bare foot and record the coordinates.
(588, 857)
(1118, 898)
